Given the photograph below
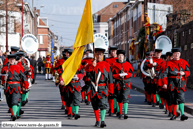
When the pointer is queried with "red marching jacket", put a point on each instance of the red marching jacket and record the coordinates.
(16, 80)
(171, 76)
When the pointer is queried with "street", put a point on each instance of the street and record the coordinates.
(44, 105)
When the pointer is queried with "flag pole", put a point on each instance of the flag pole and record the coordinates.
(96, 62)
(94, 51)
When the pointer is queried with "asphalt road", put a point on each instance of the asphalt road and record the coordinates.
(44, 105)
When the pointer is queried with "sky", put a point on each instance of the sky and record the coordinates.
(64, 15)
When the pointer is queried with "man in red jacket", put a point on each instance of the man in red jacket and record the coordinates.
(113, 104)
(175, 77)
(156, 65)
(122, 73)
(16, 82)
(102, 81)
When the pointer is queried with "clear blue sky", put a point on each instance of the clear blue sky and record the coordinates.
(65, 15)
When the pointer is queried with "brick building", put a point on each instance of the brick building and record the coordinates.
(15, 22)
(101, 17)
(126, 24)
(43, 36)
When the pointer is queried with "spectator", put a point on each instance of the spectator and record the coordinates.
(40, 63)
(1, 87)
(43, 65)
(33, 63)
(1, 56)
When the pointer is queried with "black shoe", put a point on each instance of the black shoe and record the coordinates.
(18, 117)
(110, 114)
(23, 103)
(88, 103)
(161, 106)
(76, 116)
(115, 110)
(62, 107)
(183, 117)
(120, 116)
(178, 114)
(70, 117)
(66, 111)
(118, 113)
(86, 100)
(103, 124)
(166, 112)
(26, 101)
(13, 118)
(9, 111)
(173, 117)
(109, 110)
(170, 115)
(21, 112)
(82, 101)
(125, 116)
(153, 105)
(157, 103)
(145, 100)
(97, 124)
(149, 103)
(73, 115)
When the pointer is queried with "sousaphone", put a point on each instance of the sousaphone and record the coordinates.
(100, 41)
(163, 42)
(29, 44)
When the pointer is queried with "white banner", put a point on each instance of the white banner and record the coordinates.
(28, 124)
(157, 13)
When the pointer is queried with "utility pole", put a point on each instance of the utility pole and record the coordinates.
(22, 20)
(6, 27)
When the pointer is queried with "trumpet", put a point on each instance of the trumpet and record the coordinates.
(152, 70)
(57, 77)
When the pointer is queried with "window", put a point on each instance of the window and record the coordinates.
(115, 6)
(41, 39)
(11, 25)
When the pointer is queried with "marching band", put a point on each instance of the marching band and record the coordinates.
(107, 82)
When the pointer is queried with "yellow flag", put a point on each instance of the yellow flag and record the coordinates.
(84, 36)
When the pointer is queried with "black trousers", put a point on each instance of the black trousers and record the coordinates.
(39, 68)
(72, 98)
(99, 103)
(148, 88)
(12, 99)
(122, 95)
(168, 98)
(177, 97)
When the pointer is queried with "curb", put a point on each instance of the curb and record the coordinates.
(186, 108)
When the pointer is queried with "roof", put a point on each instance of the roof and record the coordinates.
(110, 9)
(41, 23)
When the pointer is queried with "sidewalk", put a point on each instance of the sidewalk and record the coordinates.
(137, 85)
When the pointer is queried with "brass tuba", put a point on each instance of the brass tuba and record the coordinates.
(149, 72)
(57, 77)
(100, 41)
(27, 68)
(29, 44)
(163, 42)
